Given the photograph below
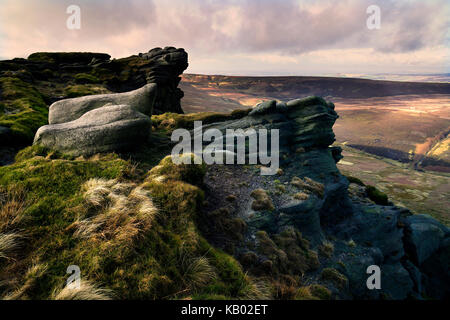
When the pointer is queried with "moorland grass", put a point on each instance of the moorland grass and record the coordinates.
(131, 235)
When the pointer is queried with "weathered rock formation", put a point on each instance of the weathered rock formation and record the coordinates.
(160, 65)
(164, 67)
(311, 196)
(99, 123)
(106, 129)
(141, 100)
(47, 77)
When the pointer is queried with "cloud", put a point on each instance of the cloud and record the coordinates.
(31, 26)
(272, 29)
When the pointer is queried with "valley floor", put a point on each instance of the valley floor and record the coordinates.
(421, 191)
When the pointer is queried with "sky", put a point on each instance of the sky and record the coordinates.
(242, 37)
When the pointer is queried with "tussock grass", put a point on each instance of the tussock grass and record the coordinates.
(262, 200)
(304, 293)
(198, 273)
(256, 289)
(309, 185)
(9, 243)
(326, 249)
(12, 205)
(97, 190)
(86, 291)
(36, 271)
(122, 212)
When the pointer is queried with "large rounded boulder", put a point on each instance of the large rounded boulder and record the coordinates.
(105, 129)
(66, 110)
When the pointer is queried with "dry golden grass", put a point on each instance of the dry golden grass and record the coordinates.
(96, 191)
(309, 185)
(301, 196)
(122, 212)
(9, 243)
(36, 271)
(12, 204)
(86, 291)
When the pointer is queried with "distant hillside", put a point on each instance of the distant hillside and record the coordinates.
(292, 87)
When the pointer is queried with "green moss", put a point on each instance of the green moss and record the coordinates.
(191, 173)
(79, 90)
(38, 150)
(43, 178)
(26, 108)
(240, 113)
(53, 198)
(377, 196)
(67, 57)
(169, 121)
(84, 78)
(231, 279)
(47, 73)
(355, 180)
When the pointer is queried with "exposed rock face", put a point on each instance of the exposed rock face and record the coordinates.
(164, 67)
(424, 236)
(141, 100)
(165, 63)
(160, 65)
(413, 252)
(105, 129)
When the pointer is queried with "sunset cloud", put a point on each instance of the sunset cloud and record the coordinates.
(241, 36)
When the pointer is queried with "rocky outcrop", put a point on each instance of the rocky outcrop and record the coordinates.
(165, 64)
(424, 236)
(164, 67)
(66, 110)
(160, 65)
(106, 129)
(69, 58)
(48, 77)
(310, 195)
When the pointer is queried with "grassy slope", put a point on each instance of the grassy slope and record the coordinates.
(60, 211)
(23, 108)
(44, 198)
